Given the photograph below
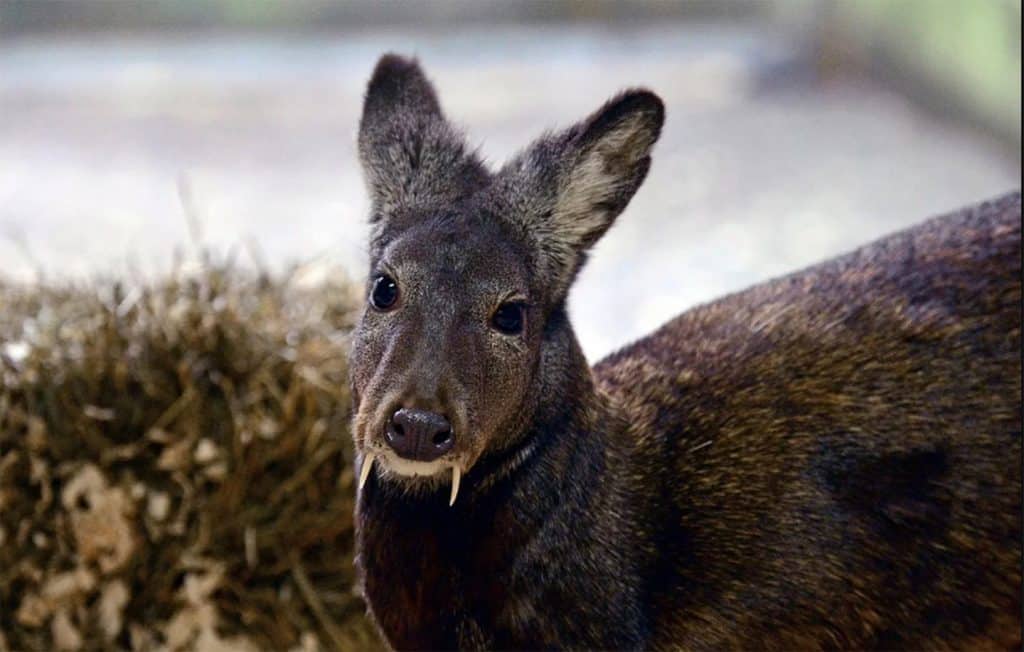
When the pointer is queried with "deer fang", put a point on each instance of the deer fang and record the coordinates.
(364, 472)
(456, 477)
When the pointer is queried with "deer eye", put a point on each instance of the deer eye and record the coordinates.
(384, 293)
(509, 317)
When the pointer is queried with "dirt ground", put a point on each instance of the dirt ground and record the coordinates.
(763, 166)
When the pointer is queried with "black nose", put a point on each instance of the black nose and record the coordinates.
(419, 434)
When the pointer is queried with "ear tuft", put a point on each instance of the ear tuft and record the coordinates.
(611, 159)
(400, 82)
(410, 155)
(565, 191)
(637, 114)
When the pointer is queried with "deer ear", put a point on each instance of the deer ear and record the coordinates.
(578, 181)
(409, 153)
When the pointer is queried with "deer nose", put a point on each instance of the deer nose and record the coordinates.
(419, 435)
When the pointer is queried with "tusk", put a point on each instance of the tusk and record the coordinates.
(364, 472)
(456, 476)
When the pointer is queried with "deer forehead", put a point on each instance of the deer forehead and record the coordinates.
(470, 256)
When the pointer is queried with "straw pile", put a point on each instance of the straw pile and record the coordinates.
(175, 466)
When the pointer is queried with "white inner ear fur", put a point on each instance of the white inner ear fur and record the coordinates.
(594, 183)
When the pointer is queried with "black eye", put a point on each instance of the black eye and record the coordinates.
(384, 293)
(508, 318)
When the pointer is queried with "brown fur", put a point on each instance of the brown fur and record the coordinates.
(843, 447)
(827, 460)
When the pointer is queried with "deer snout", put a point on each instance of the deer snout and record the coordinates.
(419, 434)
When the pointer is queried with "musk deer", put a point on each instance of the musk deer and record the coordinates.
(827, 460)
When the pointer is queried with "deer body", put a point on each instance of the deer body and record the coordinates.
(830, 459)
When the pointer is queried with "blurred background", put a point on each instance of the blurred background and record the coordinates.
(797, 129)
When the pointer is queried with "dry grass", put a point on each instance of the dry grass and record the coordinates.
(175, 465)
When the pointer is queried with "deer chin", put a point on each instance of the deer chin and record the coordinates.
(391, 466)
(411, 468)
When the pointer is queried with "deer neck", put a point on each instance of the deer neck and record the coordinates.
(425, 553)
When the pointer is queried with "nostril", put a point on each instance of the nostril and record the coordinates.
(417, 434)
(442, 437)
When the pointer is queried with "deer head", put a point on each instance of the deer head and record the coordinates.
(464, 339)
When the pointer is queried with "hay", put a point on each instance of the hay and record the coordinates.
(175, 465)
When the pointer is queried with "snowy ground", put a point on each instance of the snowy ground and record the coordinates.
(762, 169)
